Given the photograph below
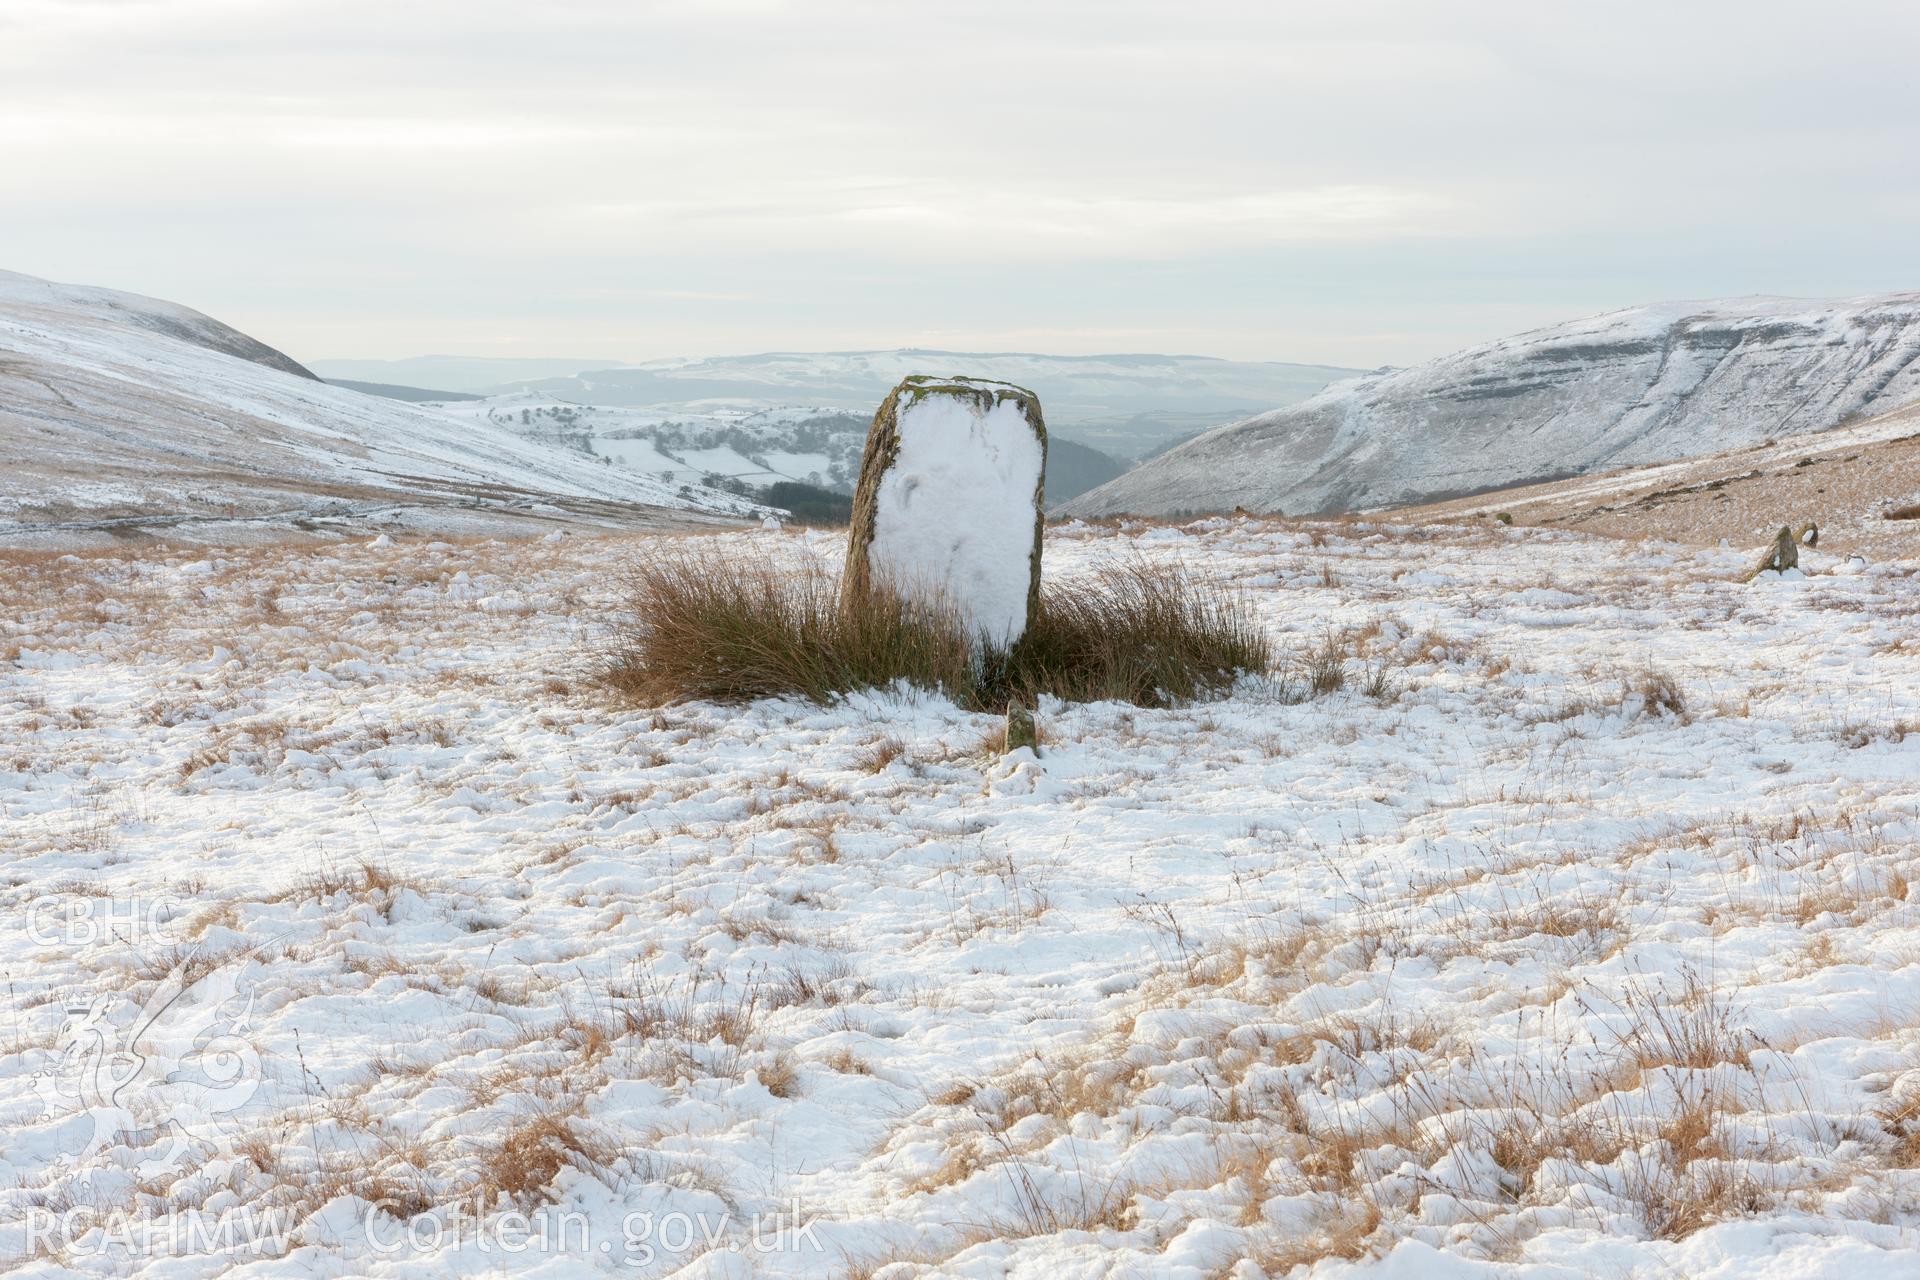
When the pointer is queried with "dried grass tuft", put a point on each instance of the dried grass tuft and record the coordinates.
(707, 627)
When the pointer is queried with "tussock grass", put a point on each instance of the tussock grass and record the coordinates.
(709, 627)
(526, 1159)
(1659, 692)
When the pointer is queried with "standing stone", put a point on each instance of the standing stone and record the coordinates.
(1783, 555)
(949, 501)
(1786, 551)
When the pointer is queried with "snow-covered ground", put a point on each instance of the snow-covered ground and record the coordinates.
(1577, 935)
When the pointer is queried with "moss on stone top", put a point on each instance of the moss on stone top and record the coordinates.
(984, 391)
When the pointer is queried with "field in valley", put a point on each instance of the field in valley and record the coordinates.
(1554, 911)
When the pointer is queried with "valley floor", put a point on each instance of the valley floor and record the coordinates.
(351, 932)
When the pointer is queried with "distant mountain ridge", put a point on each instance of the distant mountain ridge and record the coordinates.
(1646, 384)
(476, 375)
(1124, 405)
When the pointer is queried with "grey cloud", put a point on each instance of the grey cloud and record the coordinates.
(1353, 184)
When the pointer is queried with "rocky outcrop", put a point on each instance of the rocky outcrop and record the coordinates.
(1650, 384)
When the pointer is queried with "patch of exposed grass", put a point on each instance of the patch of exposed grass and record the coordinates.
(707, 627)
(1648, 689)
(524, 1161)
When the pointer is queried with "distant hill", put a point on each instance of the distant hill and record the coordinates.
(477, 375)
(1074, 468)
(734, 443)
(1123, 405)
(38, 303)
(121, 414)
(1649, 384)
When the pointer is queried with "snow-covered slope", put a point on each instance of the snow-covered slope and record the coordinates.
(756, 446)
(119, 407)
(1859, 483)
(1125, 405)
(21, 296)
(1643, 385)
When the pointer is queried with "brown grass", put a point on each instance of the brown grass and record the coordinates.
(527, 1158)
(1326, 667)
(730, 630)
(1659, 691)
(1690, 1024)
(1902, 1124)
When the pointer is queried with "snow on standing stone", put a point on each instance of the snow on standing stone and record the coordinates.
(949, 500)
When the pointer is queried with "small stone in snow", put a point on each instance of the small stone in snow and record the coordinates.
(1021, 729)
(1783, 555)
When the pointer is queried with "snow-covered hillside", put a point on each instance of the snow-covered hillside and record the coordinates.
(1648, 384)
(1860, 484)
(115, 407)
(676, 447)
(746, 442)
(1124, 405)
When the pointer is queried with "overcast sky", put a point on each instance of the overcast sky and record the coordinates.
(1345, 183)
